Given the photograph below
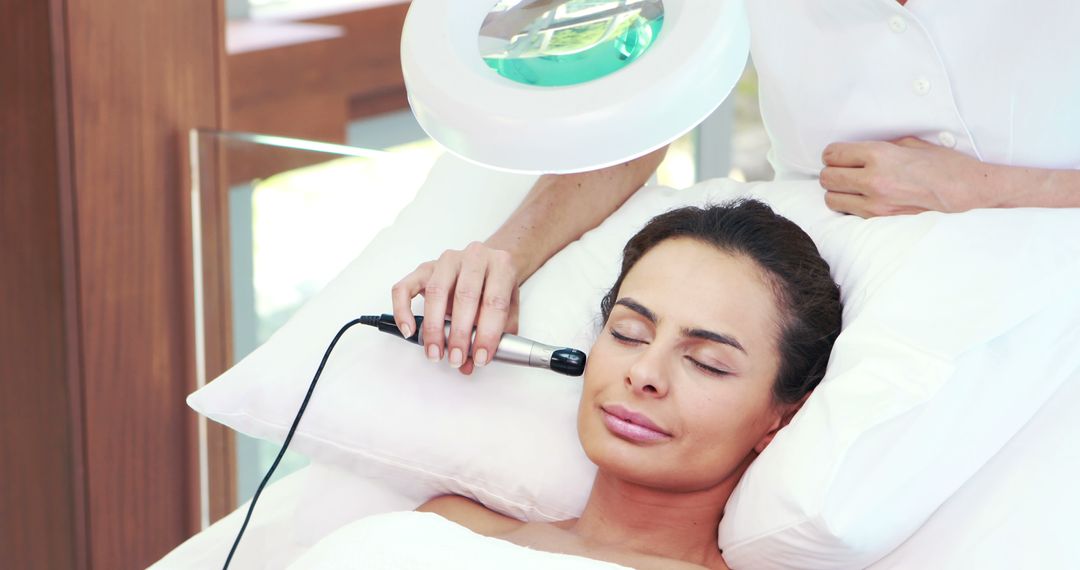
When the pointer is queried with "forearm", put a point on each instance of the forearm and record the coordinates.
(561, 208)
(1022, 187)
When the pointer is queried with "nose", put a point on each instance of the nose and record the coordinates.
(648, 375)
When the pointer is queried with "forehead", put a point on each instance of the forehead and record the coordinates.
(697, 285)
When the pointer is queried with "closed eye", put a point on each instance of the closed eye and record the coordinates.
(708, 369)
(625, 339)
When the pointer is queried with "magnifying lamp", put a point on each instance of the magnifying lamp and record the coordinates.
(561, 86)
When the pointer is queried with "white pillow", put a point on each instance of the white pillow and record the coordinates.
(937, 368)
(957, 328)
(1019, 510)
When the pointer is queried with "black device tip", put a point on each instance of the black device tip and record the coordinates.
(568, 361)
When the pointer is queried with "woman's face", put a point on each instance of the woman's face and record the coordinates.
(678, 387)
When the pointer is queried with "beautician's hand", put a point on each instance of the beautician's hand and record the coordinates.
(479, 286)
(906, 176)
(476, 286)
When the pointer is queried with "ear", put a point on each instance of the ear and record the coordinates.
(783, 418)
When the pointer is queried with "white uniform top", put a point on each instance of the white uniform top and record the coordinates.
(996, 79)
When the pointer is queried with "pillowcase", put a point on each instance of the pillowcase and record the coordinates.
(956, 330)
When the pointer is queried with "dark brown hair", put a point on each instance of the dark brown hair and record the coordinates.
(808, 298)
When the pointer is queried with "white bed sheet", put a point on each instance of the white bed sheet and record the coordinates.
(292, 515)
(269, 542)
(1019, 511)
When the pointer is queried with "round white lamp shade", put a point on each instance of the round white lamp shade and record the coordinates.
(483, 116)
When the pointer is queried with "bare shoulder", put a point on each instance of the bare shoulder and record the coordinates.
(470, 514)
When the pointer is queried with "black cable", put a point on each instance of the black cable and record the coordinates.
(288, 438)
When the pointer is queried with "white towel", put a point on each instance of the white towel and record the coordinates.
(426, 541)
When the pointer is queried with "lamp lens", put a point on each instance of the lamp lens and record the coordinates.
(554, 43)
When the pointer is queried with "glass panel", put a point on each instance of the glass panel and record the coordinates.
(274, 220)
(565, 42)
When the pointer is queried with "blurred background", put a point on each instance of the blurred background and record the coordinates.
(177, 178)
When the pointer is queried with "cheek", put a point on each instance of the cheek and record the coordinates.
(603, 381)
(605, 367)
(593, 382)
(724, 427)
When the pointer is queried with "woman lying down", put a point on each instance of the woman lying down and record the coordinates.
(717, 329)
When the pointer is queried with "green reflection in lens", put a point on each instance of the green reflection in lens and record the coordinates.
(555, 43)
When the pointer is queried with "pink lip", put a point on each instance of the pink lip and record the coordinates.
(631, 425)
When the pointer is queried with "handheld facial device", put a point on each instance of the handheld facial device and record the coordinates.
(512, 348)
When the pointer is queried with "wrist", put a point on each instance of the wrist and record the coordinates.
(1017, 186)
(521, 258)
(985, 185)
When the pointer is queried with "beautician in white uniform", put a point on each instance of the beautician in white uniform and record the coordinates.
(899, 106)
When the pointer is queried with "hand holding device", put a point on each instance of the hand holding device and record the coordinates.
(511, 348)
(478, 286)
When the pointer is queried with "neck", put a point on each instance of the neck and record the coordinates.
(676, 525)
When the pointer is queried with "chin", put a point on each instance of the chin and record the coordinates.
(655, 466)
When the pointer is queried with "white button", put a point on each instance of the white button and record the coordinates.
(947, 139)
(921, 86)
(898, 24)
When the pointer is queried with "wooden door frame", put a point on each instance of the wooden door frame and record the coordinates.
(100, 95)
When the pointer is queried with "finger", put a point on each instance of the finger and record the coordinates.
(896, 210)
(402, 294)
(495, 311)
(512, 319)
(436, 297)
(846, 154)
(846, 180)
(847, 203)
(467, 291)
(913, 142)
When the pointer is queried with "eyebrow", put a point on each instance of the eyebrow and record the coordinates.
(692, 333)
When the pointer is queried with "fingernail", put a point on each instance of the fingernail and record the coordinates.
(480, 358)
(406, 330)
(433, 352)
(455, 357)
